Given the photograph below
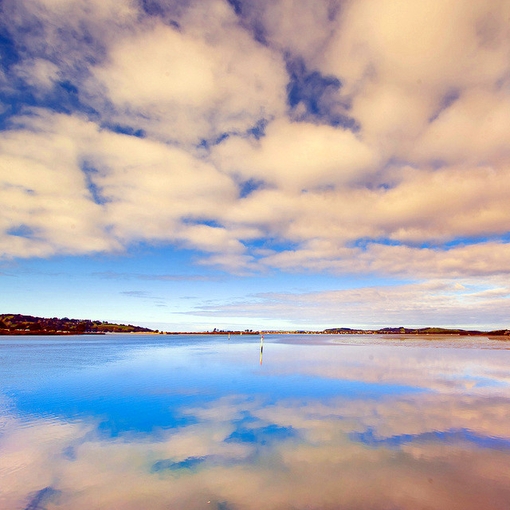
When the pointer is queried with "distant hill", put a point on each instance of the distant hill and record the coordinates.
(16, 324)
(415, 331)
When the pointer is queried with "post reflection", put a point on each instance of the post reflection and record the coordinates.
(446, 446)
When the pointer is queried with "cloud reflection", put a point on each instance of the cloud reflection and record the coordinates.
(346, 453)
(446, 447)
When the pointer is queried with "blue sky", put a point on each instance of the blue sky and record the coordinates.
(286, 164)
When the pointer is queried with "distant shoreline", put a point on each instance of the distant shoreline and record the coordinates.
(28, 325)
(503, 335)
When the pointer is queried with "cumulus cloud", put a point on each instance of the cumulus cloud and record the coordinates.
(399, 60)
(190, 82)
(297, 156)
(105, 190)
(362, 136)
(46, 207)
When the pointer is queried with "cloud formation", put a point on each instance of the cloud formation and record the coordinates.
(358, 137)
(445, 302)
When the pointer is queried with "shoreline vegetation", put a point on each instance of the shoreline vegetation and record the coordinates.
(17, 324)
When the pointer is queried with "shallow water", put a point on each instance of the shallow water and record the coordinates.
(198, 422)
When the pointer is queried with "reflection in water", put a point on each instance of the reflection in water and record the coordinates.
(193, 425)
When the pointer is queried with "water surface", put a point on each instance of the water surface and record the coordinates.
(204, 422)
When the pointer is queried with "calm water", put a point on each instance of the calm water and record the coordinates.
(197, 422)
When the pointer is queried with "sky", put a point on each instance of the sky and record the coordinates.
(286, 164)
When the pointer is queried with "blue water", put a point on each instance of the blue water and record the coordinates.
(161, 421)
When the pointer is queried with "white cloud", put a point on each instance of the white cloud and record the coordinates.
(158, 66)
(146, 190)
(43, 191)
(474, 129)
(438, 302)
(428, 166)
(298, 156)
(39, 73)
(191, 83)
(301, 27)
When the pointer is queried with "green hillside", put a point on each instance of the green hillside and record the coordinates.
(16, 324)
